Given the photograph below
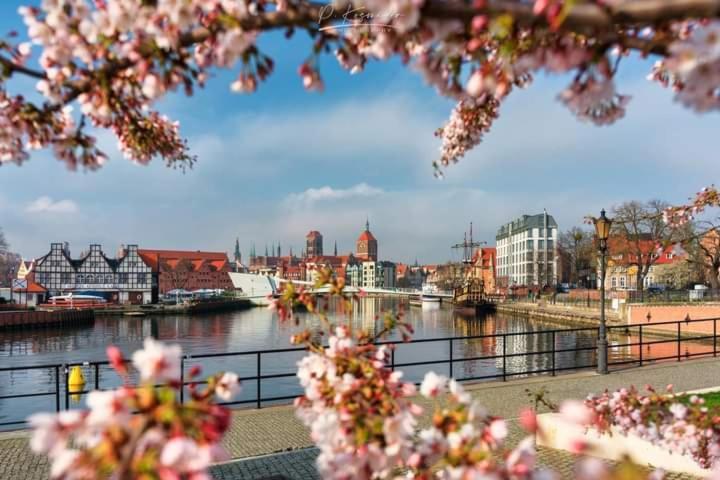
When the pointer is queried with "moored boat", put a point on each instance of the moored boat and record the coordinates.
(430, 293)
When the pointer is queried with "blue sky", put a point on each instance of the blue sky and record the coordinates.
(273, 165)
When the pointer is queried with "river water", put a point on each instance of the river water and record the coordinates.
(259, 329)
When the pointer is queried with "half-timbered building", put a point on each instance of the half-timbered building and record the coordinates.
(125, 279)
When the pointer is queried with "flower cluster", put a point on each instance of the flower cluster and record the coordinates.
(470, 119)
(680, 215)
(464, 441)
(679, 423)
(143, 431)
(693, 68)
(358, 411)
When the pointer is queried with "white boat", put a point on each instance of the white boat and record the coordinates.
(259, 289)
(430, 293)
(75, 300)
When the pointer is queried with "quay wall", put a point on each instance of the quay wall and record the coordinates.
(647, 314)
(572, 316)
(37, 318)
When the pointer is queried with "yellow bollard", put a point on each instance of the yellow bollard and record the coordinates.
(76, 383)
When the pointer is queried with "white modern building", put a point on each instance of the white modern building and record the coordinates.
(527, 251)
(372, 274)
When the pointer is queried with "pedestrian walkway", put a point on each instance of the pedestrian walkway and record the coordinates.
(255, 434)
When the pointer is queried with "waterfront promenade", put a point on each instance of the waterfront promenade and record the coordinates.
(271, 441)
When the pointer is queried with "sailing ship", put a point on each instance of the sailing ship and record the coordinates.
(469, 297)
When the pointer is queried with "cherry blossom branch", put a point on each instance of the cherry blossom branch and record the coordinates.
(584, 17)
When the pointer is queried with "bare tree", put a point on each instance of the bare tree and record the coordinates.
(704, 251)
(577, 245)
(7, 261)
(641, 235)
(3, 243)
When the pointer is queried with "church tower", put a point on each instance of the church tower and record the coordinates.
(367, 245)
(314, 244)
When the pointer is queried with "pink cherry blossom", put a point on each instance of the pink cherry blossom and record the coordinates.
(433, 385)
(157, 361)
(228, 386)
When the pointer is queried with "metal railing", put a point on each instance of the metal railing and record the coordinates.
(639, 336)
(673, 296)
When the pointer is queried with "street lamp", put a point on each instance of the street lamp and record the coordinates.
(602, 230)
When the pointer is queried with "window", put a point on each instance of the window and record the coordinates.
(529, 244)
(541, 244)
(89, 279)
(122, 278)
(550, 244)
(80, 278)
(108, 279)
(613, 282)
(141, 278)
(65, 277)
(622, 282)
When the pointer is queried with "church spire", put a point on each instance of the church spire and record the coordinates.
(367, 224)
(278, 250)
(335, 248)
(237, 249)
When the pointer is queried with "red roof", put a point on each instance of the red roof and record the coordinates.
(366, 236)
(313, 234)
(624, 252)
(150, 257)
(31, 288)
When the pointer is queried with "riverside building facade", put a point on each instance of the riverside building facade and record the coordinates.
(124, 279)
(527, 252)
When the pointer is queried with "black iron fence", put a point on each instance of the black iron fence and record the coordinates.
(673, 296)
(502, 356)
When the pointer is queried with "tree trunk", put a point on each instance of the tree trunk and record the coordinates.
(713, 276)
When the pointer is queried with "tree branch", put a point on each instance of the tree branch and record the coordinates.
(14, 67)
(585, 17)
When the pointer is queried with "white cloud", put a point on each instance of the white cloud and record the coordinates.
(46, 204)
(328, 194)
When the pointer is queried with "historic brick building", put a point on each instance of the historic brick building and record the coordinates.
(483, 267)
(314, 244)
(187, 270)
(367, 245)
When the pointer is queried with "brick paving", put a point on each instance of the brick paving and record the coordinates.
(272, 443)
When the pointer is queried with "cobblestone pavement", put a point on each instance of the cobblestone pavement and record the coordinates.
(258, 433)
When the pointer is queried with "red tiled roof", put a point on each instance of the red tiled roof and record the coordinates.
(313, 234)
(150, 256)
(627, 249)
(366, 236)
(31, 288)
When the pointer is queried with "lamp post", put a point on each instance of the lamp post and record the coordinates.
(602, 230)
(587, 289)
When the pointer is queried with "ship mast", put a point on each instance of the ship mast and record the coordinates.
(468, 247)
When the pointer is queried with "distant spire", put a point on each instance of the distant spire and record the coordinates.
(367, 224)
(237, 249)
(266, 250)
(291, 252)
(335, 248)
(278, 250)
